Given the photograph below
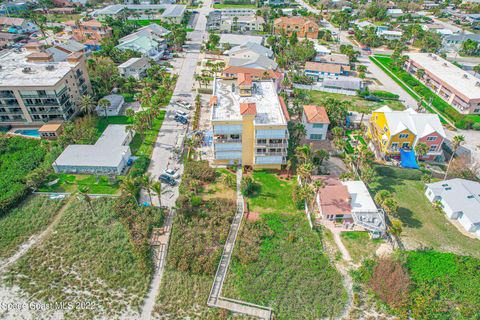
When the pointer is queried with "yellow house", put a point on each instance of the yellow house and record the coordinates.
(391, 131)
(249, 122)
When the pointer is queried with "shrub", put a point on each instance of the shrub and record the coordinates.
(384, 94)
(200, 170)
(391, 283)
(139, 166)
(247, 186)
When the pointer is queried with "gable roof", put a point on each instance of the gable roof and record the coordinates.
(248, 109)
(460, 195)
(254, 72)
(420, 124)
(244, 79)
(315, 114)
(295, 20)
(323, 67)
(251, 46)
(257, 62)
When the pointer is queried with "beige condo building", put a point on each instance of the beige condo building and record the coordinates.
(34, 89)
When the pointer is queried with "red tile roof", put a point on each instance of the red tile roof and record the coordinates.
(248, 109)
(315, 114)
(323, 67)
(244, 79)
(284, 108)
(334, 197)
(213, 100)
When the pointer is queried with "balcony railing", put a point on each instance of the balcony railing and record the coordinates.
(227, 140)
(272, 145)
(266, 154)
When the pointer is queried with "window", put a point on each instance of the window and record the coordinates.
(431, 138)
(405, 145)
(318, 125)
(403, 136)
(316, 136)
(433, 148)
(476, 111)
(394, 145)
(385, 129)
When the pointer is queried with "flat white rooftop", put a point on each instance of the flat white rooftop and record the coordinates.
(449, 73)
(361, 200)
(264, 95)
(13, 65)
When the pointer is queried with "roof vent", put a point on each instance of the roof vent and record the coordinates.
(27, 70)
(476, 83)
(465, 76)
(445, 64)
(50, 67)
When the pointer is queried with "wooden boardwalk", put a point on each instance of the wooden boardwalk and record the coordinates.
(215, 299)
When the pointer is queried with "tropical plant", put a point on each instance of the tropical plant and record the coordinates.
(104, 104)
(421, 150)
(87, 104)
(457, 141)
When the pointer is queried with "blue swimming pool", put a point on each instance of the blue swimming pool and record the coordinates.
(28, 132)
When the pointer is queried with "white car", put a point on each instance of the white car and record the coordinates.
(183, 104)
(180, 113)
(172, 173)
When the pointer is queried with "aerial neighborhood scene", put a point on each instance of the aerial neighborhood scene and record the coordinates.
(239, 159)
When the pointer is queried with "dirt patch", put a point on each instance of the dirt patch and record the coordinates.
(253, 216)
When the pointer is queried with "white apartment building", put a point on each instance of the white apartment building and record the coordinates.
(134, 67)
(249, 123)
(35, 89)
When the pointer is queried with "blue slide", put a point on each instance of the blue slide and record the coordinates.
(407, 159)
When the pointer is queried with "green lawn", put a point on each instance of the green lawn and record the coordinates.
(272, 194)
(356, 103)
(89, 257)
(279, 261)
(103, 122)
(423, 225)
(359, 245)
(417, 89)
(71, 183)
(30, 217)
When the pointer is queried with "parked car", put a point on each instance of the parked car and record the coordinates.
(180, 113)
(373, 98)
(172, 173)
(165, 178)
(181, 119)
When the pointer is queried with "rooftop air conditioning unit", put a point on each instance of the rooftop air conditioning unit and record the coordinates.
(465, 76)
(27, 70)
(50, 67)
(476, 83)
(445, 64)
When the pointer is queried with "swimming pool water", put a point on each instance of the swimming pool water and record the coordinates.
(28, 132)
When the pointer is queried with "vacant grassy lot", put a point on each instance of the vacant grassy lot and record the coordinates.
(356, 103)
(359, 245)
(279, 261)
(423, 225)
(200, 228)
(31, 217)
(88, 257)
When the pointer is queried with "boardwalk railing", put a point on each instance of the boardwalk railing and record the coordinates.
(215, 299)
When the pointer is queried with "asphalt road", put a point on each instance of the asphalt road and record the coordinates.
(172, 133)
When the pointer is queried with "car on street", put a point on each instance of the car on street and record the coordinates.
(180, 113)
(181, 119)
(165, 178)
(172, 173)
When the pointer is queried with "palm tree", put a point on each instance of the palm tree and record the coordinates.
(396, 227)
(130, 187)
(381, 196)
(305, 172)
(476, 69)
(421, 149)
(304, 153)
(104, 104)
(317, 185)
(87, 104)
(157, 189)
(147, 183)
(129, 112)
(390, 205)
(289, 166)
(457, 141)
